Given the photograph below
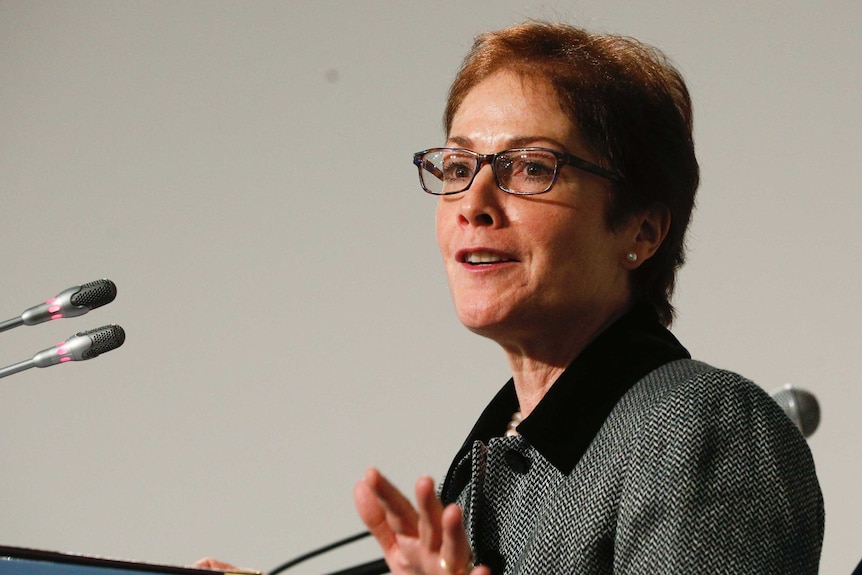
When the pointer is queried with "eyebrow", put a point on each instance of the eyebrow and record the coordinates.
(516, 142)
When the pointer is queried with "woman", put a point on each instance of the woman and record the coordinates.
(565, 188)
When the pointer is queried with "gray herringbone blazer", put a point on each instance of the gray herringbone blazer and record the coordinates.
(695, 470)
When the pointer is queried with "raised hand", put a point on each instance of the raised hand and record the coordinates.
(426, 540)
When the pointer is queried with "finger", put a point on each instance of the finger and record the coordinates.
(430, 514)
(216, 565)
(210, 563)
(400, 514)
(454, 548)
(373, 515)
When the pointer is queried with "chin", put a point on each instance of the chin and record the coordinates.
(482, 320)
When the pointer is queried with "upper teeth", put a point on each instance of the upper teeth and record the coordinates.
(482, 258)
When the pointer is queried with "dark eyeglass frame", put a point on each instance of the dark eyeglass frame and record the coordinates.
(563, 159)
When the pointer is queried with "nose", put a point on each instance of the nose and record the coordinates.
(480, 205)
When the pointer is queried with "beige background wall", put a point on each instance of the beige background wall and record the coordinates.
(242, 171)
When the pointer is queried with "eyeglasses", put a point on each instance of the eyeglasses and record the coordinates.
(520, 171)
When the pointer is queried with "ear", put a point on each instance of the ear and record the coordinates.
(649, 229)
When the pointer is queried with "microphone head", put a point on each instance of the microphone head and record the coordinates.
(800, 406)
(94, 294)
(82, 346)
(72, 302)
(103, 339)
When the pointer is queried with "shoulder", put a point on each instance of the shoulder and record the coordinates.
(687, 391)
(711, 430)
(715, 430)
(692, 405)
(708, 443)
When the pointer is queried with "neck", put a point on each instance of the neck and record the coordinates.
(538, 362)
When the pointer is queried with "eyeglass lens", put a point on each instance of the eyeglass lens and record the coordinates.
(518, 171)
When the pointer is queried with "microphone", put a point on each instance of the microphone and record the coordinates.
(72, 302)
(81, 346)
(800, 406)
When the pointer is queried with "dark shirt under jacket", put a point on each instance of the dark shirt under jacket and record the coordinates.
(639, 460)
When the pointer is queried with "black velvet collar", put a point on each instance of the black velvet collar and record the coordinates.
(566, 420)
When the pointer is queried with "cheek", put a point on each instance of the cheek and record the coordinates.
(573, 249)
(558, 235)
(441, 224)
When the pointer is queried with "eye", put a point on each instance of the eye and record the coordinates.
(538, 170)
(530, 165)
(457, 167)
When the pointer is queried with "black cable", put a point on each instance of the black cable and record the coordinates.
(322, 550)
(377, 567)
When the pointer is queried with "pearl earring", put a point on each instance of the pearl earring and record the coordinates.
(632, 257)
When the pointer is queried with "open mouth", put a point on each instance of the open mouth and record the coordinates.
(484, 258)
